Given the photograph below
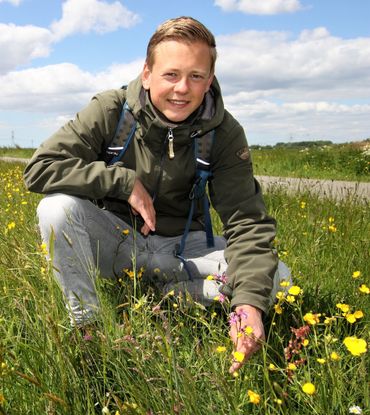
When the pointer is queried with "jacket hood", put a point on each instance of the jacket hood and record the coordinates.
(210, 114)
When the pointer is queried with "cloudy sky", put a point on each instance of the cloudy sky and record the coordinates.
(290, 70)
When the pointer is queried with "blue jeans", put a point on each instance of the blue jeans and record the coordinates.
(90, 242)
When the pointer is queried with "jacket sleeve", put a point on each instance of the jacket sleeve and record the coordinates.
(248, 229)
(68, 162)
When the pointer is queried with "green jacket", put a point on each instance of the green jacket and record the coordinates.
(70, 162)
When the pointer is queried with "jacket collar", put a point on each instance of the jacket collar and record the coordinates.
(209, 115)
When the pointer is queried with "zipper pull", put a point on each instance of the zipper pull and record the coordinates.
(171, 153)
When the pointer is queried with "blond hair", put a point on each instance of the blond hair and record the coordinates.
(182, 29)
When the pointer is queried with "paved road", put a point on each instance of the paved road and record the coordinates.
(336, 189)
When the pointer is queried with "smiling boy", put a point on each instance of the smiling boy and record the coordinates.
(175, 99)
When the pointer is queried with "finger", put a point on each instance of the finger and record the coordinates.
(145, 229)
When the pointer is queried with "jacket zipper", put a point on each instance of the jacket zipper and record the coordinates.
(170, 137)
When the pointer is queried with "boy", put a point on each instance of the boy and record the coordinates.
(175, 100)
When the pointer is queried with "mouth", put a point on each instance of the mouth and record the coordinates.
(178, 102)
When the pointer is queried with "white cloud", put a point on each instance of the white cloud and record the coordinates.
(13, 2)
(21, 44)
(60, 88)
(312, 66)
(260, 6)
(84, 16)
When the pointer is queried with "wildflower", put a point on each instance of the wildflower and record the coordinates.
(171, 293)
(290, 299)
(278, 401)
(248, 330)
(309, 388)
(292, 366)
(311, 318)
(284, 283)
(129, 273)
(254, 397)
(354, 409)
(328, 320)
(356, 274)
(220, 298)
(332, 228)
(272, 367)
(343, 307)
(126, 232)
(294, 290)
(302, 205)
(364, 289)
(11, 226)
(221, 349)
(351, 318)
(355, 345)
(235, 374)
(239, 356)
(358, 314)
(210, 278)
(331, 219)
(334, 356)
(44, 248)
(280, 295)
(321, 360)
(278, 309)
(305, 342)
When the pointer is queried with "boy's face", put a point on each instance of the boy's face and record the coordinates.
(179, 78)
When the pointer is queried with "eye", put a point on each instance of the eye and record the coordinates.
(170, 75)
(197, 77)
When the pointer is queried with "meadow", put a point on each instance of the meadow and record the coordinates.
(156, 355)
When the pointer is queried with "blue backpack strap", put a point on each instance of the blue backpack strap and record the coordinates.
(202, 152)
(124, 132)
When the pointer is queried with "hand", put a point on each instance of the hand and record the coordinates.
(250, 318)
(142, 204)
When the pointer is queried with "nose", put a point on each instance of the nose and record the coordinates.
(182, 86)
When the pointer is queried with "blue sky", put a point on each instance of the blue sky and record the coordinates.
(290, 70)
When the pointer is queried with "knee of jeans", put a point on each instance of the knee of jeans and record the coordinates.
(55, 210)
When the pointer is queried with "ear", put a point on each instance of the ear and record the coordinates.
(146, 76)
(210, 80)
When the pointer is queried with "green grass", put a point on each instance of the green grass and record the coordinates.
(336, 161)
(154, 355)
(16, 152)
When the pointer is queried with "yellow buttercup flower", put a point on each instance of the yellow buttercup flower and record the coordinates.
(278, 309)
(311, 318)
(291, 366)
(248, 330)
(343, 307)
(290, 299)
(254, 397)
(334, 356)
(210, 277)
(351, 318)
(355, 345)
(321, 360)
(284, 283)
(309, 388)
(239, 356)
(294, 290)
(356, 274)
(358, 314)
(221, 349)
(364, 289)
